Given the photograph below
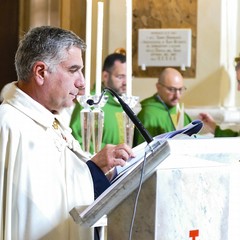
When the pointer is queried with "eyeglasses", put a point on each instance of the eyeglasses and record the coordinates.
(174, 90)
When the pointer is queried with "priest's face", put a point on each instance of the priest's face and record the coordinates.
(65, 82)
(171, 88)
(116, 79)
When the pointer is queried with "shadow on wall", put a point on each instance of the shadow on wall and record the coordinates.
(210, 92)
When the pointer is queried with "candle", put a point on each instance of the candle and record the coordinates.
(99, 49)
(88, 49)
(129, 46)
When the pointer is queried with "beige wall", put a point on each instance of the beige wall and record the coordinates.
(218, 43)
(217, 46)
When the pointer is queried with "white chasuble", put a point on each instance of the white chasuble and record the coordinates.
(41, 178)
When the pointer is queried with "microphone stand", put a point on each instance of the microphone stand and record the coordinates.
(148, 138)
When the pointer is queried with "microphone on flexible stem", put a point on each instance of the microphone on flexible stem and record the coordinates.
(91, 102)
(148, 138)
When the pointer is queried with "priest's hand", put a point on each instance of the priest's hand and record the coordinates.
(111, 156)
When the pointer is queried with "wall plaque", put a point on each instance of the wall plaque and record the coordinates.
(164, 47)
(164, 14)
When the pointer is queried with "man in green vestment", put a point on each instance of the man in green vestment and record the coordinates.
(210, 123)
(114, 77)
(160, 113)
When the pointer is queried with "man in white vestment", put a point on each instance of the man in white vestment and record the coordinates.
(43, 171)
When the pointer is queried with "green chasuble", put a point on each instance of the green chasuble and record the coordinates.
(113, 132)
(225, 132)
(156, 119)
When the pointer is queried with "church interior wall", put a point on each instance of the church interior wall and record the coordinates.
(218, 43)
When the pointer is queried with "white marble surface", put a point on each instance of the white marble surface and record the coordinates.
(195, 188)
(191, 198)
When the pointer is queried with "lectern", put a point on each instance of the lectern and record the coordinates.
(191, 191)
(132, 175)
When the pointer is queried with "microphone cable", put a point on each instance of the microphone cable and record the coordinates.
(137, 196)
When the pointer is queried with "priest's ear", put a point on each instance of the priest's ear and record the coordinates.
(105, 77)
(39, 72)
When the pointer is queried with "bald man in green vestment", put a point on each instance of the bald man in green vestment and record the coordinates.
(159, 113)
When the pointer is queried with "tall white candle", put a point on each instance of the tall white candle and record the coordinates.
(88, 49)
(129, 46)
(99, 49)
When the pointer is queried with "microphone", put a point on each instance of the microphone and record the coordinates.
(148, 138)
(91, 102)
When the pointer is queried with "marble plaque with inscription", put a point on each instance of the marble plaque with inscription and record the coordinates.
(164, 14)
(164, 47)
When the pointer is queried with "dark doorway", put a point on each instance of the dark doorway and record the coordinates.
(9, 22)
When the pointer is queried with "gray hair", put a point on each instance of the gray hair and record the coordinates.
(47, 44)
